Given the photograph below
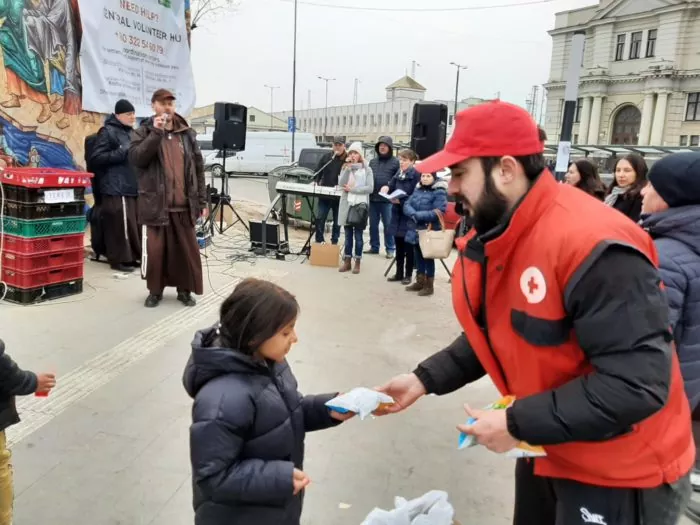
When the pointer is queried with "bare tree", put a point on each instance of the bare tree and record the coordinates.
(202, 10)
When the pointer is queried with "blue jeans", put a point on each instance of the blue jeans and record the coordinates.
(423, 265)
(324, 207)
(380, 211)
(353, 236)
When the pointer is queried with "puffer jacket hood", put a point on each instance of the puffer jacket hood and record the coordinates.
(389, 142)
(209, 361)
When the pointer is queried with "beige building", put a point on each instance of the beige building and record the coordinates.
(366, 122)
(640, 80)
(202, 120)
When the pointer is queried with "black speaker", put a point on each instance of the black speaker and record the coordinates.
(428, 128)
(231, 126)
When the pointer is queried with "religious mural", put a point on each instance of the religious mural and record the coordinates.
(41, 118)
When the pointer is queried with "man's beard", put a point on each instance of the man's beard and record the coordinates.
(490, 209)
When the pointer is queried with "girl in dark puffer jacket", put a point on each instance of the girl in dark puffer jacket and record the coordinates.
(248, 419)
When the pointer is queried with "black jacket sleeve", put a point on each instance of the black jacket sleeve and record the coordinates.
(106, 151)
(13, 380)
(451, 368)
(317, 416)
(321, 168)
(620, 319)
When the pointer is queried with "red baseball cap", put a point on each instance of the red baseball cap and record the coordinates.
(491, 129)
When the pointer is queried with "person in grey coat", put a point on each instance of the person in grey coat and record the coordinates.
(357, 181)
(671, 215)
(248, 420)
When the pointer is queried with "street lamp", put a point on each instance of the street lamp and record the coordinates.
(325, 120)
(294, 81)
(272, 91)
(459, 68)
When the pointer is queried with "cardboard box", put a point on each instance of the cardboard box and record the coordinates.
(327, 255)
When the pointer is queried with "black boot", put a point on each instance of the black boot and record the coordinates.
(153, 300)
(186, 299)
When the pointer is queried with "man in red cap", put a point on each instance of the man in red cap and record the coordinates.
(560, 303)
(172, 196)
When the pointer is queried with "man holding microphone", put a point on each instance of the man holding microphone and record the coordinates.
(172, 196)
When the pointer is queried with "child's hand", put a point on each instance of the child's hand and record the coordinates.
(301, 481)
(45, 382)
(342, 417)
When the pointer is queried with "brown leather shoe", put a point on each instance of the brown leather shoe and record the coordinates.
(418, 285)
(428, 288)
(356, 269)
(346, 266)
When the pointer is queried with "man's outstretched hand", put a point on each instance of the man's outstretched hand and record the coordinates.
(406, 389)
(45, 383)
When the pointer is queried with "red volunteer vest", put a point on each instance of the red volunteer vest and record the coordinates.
(552, 234)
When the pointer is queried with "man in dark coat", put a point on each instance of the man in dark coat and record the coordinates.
(172, 196)
(14, 382)
(119, 188)
(671, 215)
(328, 172)
(384, 167)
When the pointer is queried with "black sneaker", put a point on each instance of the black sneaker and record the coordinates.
(124, 268)
(186, 299)
(153, 300)
(406, 281)
(373, 252)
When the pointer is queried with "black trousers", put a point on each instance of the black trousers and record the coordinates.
(547, 501)
(405, 258)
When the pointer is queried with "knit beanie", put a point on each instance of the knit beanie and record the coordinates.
(123, 106)
(676, 178)
(356, 146)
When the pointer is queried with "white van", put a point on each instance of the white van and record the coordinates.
(264, 151)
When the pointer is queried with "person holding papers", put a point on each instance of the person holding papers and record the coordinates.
(401, 187)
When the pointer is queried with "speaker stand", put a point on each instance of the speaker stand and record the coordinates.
(224, 203)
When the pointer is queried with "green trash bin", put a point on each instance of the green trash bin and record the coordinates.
(297, 175)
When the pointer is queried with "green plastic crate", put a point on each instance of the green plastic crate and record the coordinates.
(44, 228)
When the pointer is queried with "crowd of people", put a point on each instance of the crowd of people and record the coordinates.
(387, 190)
(149, 192)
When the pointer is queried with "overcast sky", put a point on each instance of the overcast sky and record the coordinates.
(506, 50)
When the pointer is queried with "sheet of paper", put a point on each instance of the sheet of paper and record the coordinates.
(563, 155)
(395, 195)
(59, 196)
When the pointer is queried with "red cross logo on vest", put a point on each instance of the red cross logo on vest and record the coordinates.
(533, 285)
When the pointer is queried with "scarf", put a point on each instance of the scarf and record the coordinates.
(611, 199)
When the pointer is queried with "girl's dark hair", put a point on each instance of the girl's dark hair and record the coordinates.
(408, 154)
(590, 179)
(640, 167)
(255, 312)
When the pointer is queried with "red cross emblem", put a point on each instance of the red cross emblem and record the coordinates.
(532, 285)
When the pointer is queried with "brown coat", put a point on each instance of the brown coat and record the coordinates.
(145, 155)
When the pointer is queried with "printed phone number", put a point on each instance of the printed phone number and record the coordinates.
(140, 43)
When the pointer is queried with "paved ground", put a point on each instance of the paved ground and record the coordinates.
(110, 446)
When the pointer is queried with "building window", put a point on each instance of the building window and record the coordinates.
(576, 139)
(357, 120)
(695, 140)
(251, 118)
(693, 110)
(337, 121)
(373, 120)
(636, 44)
(379, 120)
(364, 121)
(396, 119)
(405, 119)
(345, 121)
(620, 47)
(684, 140)
(350, 120)
(388, 120)
(579, 107)
(651, 43)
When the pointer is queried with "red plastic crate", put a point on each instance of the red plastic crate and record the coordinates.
(45, 177)
(43, 245)
(34, 279)
(30, 263)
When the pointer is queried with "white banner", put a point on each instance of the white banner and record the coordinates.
(130, 49)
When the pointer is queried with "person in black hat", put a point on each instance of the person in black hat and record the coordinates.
(671, 215)
(328, 171)
(119, 188)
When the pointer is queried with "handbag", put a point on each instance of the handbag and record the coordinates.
(358, 215)
(436, 244)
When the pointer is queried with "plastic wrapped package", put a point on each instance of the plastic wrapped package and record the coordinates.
(432, 508)
(361, 401)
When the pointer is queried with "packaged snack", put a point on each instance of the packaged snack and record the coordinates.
(523, 450)
(361, 401)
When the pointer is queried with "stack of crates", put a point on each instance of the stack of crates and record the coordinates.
(43, 233)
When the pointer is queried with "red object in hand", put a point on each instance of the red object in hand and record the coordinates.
(41, 394)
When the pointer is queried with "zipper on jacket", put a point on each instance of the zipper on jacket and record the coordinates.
(484, 268)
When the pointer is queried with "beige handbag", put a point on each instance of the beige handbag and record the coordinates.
(434, 244)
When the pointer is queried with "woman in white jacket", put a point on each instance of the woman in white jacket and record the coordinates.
(357, 182)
